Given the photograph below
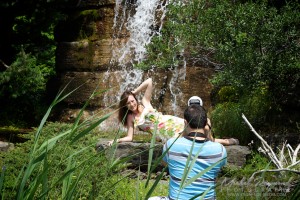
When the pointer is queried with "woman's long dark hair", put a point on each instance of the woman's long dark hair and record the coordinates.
(123, 110)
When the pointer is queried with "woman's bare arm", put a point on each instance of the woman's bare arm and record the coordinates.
(148, 87)
(130, 131)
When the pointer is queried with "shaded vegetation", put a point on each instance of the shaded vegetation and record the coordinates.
(253, 46)
(27, 54)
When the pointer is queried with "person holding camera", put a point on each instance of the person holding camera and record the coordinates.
(193, 158)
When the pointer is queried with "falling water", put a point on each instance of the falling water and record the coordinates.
(179, 74)
(141, 27)
(134, 26)
(132, 32)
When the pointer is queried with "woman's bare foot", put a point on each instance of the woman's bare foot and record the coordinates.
(233, 141)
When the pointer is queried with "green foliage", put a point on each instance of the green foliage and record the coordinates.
(246, 39)
(28, 48)
(227, 94)
(22, 88)
(99, 178)
(57, 159)
(226, 117)
(257, 46)
(60, 162)
(23, 78)
(255, 162)
(227, 121)
(253, 45)
(256, 106)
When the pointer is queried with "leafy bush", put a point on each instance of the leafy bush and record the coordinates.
(22, 89)
(252, 45)
(227, 121)
(226, 117)
(227, 94)
(28, 52)
(23, 77)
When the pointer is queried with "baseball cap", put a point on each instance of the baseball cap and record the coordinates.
(195, 100)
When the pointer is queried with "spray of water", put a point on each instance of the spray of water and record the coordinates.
(178, 75)
(135, 24)
(140, 27)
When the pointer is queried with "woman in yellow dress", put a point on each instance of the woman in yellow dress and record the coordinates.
(143, 116)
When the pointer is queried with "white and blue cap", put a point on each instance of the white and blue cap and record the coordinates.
(195, 100)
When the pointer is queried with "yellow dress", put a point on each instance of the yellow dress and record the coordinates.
(167, 126)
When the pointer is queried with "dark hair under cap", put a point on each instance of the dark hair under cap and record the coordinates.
(195, 115)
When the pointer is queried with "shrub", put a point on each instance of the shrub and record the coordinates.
(226, 117)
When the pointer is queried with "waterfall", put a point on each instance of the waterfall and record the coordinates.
(135, 23)
(131, 33)
(141, 27)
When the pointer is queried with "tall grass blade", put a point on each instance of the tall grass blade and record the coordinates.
(113, 149)
(40, 179)
(152, 146)
(116, 183)
(45, 177)
(189, 165)
(77, 120)
(30, 167)
(119, 161)
(65, 175)
(296, 192)
(155, 183)
(69, 171)
(67, 180)
(73, 185)
(202, 195)
(33, 162)
(71, 192)
(2, 181)
(158, 161)
(56, 100)
(49, 144)
(138, 184)
(91, 127)
(19, 177)
(189, 181)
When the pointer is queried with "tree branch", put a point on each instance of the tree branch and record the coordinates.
(5, 65)
(265, 144)
(266, 149)
(295, 153)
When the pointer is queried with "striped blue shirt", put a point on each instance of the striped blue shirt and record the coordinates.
(204, 154)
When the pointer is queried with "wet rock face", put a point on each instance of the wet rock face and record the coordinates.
(83, 60)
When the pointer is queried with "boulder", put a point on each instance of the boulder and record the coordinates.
(5, 146)
(139, 152)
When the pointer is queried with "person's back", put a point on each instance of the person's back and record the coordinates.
(193, 160)
(208, 154)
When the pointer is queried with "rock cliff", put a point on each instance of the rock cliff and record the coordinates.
(83, 59)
